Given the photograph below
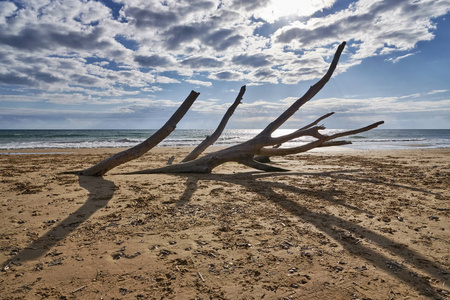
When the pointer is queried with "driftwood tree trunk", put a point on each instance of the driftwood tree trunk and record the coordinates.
(122, 157)
(213, 137)
(264, 144)
(248, 153)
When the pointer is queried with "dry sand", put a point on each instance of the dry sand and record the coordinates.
(340, 225)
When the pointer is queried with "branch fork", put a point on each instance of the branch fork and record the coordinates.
(245, 153)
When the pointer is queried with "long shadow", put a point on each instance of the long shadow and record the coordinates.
(191, 187)
(341, 176)
(333, 226)
(100, 192)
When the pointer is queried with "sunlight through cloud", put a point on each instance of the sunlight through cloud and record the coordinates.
(286, 8)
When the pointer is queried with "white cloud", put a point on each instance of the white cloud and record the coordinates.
(165, 79)
(398, 58)
(199, 82)
(277, 9)
(374, 25)
(6, 10)
(375, 106)
(437, 92)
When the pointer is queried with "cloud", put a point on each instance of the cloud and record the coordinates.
(227, 75)
(148, 18)
(437, 92)
(373, 106)
(84, 79)
(223, 39)
(375, 25)
(256, 60)
(151, 61)
(276, 9)
(398, 58)
(15, 79)
(50, 37)
(6, 10)
(128, 47)
(202, 62)
(199, 82)
(265, 75)
(249, 5)
(177, 36)
(214, 36)
(165, 79)
(42, 76)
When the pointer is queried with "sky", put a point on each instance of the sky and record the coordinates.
(128, 64)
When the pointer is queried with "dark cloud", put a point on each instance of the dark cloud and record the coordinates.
(151, 61)
(229, 42)
(352, 23)
(84, 79)
(79, 40)
(31, 71)
(37, 72)
(143, 18)
(112, 77)
(48, 37)
(202, 62)
(388, 5)
(264, 73)
(301, 74)
(200, 5)
(183, 33)
(307, 37)
(32, 60)
(257, 60)
(67, 64)
(205, 32)
(222, 39)
(224, 16)
(227, 75)
(249, 5)
(126, 74)
(156, 18)
(116, 54)
(46, 77)
(218, 36)
(28, 39)
(15, 79)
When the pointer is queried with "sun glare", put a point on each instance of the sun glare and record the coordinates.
(284, 8)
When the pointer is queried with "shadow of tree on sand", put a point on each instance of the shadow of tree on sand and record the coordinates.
(333, 225)
(100, 192)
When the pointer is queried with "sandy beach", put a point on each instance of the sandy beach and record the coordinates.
(339, 225)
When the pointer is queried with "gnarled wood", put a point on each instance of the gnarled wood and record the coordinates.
(122, 157)
(322, 141)
(262, 145)
(313, 90)
(213, 137)
(244, 153)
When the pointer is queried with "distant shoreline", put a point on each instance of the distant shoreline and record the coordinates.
(161, 149)
(34, 140)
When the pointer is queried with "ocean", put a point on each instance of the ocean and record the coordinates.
(71, 139)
